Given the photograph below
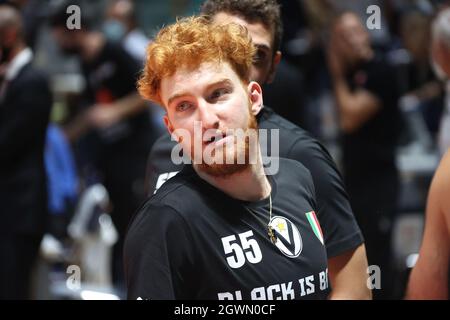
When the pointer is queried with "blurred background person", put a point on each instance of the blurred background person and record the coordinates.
(120, 25)
(25, 103)
(379, 37)
(422, 91)
(34, 15)
(112, 132)
(366, 98)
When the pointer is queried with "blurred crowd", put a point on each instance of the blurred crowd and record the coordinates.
(73, 159)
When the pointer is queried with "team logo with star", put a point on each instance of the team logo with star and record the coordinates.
(288, 238)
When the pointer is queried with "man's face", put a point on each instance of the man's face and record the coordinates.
(354, 40)
(265, 62)
(209, 104)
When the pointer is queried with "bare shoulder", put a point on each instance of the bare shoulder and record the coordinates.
(429, 278)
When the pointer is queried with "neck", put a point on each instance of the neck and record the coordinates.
(250, 184)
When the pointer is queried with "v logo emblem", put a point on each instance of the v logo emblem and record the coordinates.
(289, 240)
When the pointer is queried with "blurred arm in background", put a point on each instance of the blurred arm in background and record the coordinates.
(429, 278)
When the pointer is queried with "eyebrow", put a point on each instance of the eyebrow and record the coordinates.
(224, 81)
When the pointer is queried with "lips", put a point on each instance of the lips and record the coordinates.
(223, 141)
(213, 137)
(217, 139)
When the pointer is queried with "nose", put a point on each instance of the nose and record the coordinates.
(208, 115)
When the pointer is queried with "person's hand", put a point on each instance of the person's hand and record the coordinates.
(103, 116)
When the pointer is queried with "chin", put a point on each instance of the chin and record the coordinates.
(223, 170)
(219, 166)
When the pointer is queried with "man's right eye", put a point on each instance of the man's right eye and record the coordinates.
(183, 106)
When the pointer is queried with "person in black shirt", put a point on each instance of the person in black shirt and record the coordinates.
(220, 229)
(343, 240)
(193, 241)
(366, 97)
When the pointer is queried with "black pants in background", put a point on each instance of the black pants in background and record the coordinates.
(17, 257)
(374, 201)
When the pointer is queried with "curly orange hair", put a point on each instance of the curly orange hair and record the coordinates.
(190, 42)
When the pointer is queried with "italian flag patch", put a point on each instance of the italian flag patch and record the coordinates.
(315, 225)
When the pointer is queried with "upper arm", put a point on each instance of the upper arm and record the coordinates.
(156, 255)
(347, 261)
(348, 275)
(429, 278)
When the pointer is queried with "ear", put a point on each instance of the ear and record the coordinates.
(256, 98)
(168, 124)
(171, 129)
(273, 68)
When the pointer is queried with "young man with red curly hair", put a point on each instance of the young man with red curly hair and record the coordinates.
(220, 230)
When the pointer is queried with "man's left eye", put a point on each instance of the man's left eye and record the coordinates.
(259, 57)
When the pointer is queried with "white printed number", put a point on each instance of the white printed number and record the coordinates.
(237, 253)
